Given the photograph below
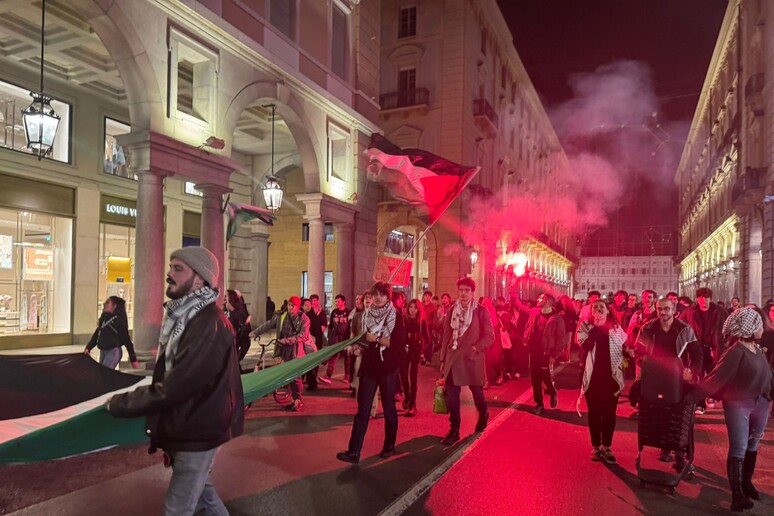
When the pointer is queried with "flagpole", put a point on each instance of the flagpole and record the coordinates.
(408, 253)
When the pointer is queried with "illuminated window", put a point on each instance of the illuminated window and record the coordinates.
(339, 159)
(193, 74)
(116, 160)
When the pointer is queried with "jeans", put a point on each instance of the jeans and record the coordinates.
(332, 363)
(110, 357)
(408, 376)
(540, 373)
(602, 407)
(365, 395)
(745, 421)
(296, 388)
(453, 401)
(190, 489)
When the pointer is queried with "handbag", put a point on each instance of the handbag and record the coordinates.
(439, 400)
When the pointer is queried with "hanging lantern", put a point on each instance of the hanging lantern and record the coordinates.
(272, 194)
(40, 124)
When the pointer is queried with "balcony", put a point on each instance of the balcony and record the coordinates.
(405, 100)
(748, 188)
(486, 118)
(753, 93)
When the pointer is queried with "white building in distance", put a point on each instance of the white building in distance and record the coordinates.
(607, 274)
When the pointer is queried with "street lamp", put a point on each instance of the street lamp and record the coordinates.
(272, 191)
(473, 259)
(40, 119)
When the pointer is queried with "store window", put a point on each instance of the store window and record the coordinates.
(35, 273)
(13, 100)
(116, 265)
(116, 161)
(327, 287)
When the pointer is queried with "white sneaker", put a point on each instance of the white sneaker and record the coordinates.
(325, 379)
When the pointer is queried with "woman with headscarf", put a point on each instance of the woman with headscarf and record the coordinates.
(112, 332)
(382, 357)
(743, 379)
(602, 378)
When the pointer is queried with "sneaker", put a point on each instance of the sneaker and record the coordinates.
(538, 410)
(324, 379)
(554, 400)
(405, 404)
(608, 456)
(452, 437)
(666, 456)
(700, 411)
(345, 379)
(596, 455)
(296, 405)
(386, 453)
(411, 412)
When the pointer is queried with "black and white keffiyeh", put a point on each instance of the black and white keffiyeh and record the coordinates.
(742, 323)
(177, 313)
(461, 319)
(381, 322)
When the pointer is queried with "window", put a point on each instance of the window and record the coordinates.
(612, 271)
(328, 232)
(116, 266)
(603, 287)
(644, 270)
(339, 158)
(407, 25)
(407, 87)
(116, 159)
(339, 41)
(603, 272)
(12, 101)
(283, 17)
(327, 287)
(193, 74)
(190, 189)
(398, 242)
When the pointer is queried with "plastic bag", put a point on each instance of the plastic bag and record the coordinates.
(439, 401)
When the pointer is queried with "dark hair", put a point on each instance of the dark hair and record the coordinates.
(704, 292)
(610, 320)
(427, 292)
(120, 310)
(435, 298)
(341, 296)
(621, 293)
(233, 298)
(685, 299)
(674, 294)
(551, 298)
(304, 300)
(383, 288)
(650, 291)
(314, 296)
(446, 294)
(737, 298)
(593, 293)
(468, 282)
(500, 298)
(420, 309)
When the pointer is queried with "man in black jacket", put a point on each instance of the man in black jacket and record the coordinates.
(195, 401)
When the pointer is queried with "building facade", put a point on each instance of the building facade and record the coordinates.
(169, 109)
(452, 83)
(725, 172)
(608, 274)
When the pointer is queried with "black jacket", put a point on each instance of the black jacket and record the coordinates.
(388, 361)
(198, 404)
(113, 335)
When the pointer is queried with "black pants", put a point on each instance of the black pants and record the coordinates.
(602, 406)
(508, 364)
(408, 376)
(453, 401)
(335, 358)
(520, 358)
(540, 374)
(365, 397)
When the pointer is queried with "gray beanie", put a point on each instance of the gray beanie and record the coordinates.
(202, 261)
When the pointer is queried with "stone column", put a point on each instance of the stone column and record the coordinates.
(149, 263)
(213, 233)
(316, 262)
(345, 262)
(259, 255)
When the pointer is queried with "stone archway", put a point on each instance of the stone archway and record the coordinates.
(115, 29)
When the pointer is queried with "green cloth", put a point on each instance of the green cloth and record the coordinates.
(95, 429)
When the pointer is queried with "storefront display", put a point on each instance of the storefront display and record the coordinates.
(116, 251)
(35, 273)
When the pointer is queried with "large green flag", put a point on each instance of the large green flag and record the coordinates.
(95, 429)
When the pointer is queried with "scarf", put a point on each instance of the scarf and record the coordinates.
(461, 321)
(617, 338)
(177, 313)
(380, 322)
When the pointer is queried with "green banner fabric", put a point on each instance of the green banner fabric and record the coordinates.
(96, 429)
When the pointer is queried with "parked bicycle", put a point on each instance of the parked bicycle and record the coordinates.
(282, 394)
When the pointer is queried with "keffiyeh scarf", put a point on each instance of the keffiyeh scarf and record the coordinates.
(461, 319)
(380, 322)
(742, 323)
(177, 313)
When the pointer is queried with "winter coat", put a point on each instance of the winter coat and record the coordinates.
(466, 363)
(552, 340)
(198, 404)
(713, 336)
(114, 334)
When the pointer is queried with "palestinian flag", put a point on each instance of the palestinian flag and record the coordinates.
(238, 213)
(417, 177)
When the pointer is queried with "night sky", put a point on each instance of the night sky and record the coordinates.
(558, 39)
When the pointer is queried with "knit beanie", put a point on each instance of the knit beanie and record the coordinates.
(202, 261)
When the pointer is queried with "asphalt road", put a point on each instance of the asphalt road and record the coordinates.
(285, 464)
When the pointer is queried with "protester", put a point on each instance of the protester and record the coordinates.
(112, 333)
(638, 320)
(570, 322)
(270, 308)
(602, 378)
(467, 332)
(493, 355)
(417, 337)
(429, 307)
(317, 327)
(505, 322)
(544, 336)
(239, 318)
(743, 379)
(382, 357)
(619, 306)
(294, 339)
(338, 331)
(194, 403)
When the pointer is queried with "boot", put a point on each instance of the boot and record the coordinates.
(739, 500)
(747, 473)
